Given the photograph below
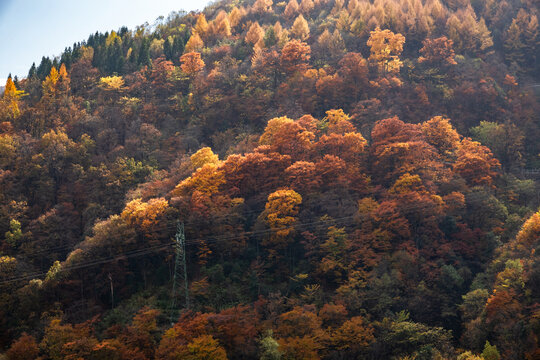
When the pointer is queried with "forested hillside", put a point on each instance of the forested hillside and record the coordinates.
(349, 180)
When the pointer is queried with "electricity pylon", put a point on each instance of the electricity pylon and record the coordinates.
(180, 269)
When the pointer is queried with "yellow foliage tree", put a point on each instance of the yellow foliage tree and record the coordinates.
(144, 215)
(64, 80)
(300, 28)
(204, 156)
(280, 215)
(272, 128)
(57, 335)
(344, 22)
(112, 38)
(53, 76)
(194, 43)
(112, 83)
(63, 72)
(10, 88)
(338, 122)
(331, 44)
(278, 30)
(335, 116)
(528, 237)
(467, 33)
(55, 84)
(10, 100)
(201, 26)
(281, 209)
(469, 356)
(8, 147)
(205, 347)
(49, 84)
(407, 183)
(440, 133)
(206, 180)
(7, 265)
(385, 50)
(236, 16)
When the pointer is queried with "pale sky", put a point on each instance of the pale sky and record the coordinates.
(30, 29)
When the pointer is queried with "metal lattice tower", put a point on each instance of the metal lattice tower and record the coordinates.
(180, 279)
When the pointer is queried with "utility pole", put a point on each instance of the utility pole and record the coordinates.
(112, 291)
(180, 269)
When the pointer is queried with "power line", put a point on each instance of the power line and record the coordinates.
(216, 239)
(134, 253)
(144, 251)
(210, 239)
(471, 195)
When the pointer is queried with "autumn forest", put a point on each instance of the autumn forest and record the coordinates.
(314, 179)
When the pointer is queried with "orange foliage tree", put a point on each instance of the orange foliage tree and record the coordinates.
(295, 56)
(439, 133)
(438, 52)
(195, 43)
(191, 63)
(475, 163)
(25, 348)
(300, 28)
(287, 137)
(291, 10)
(262, 6)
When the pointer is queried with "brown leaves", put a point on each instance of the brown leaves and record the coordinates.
(475, 163)
(438, 52)
(295, 56)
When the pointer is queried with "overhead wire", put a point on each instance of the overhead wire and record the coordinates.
(172, 227)
(196, 241)
(208, 239)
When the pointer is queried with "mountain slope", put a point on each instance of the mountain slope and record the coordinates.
(351, 178)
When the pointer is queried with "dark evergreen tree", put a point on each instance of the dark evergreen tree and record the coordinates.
(32, 72)
(123, 31)
(44, 68)
(178, 46)
(168, 48)
(67, 57)
(270, 37)
(144, 53)
(115, 57)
